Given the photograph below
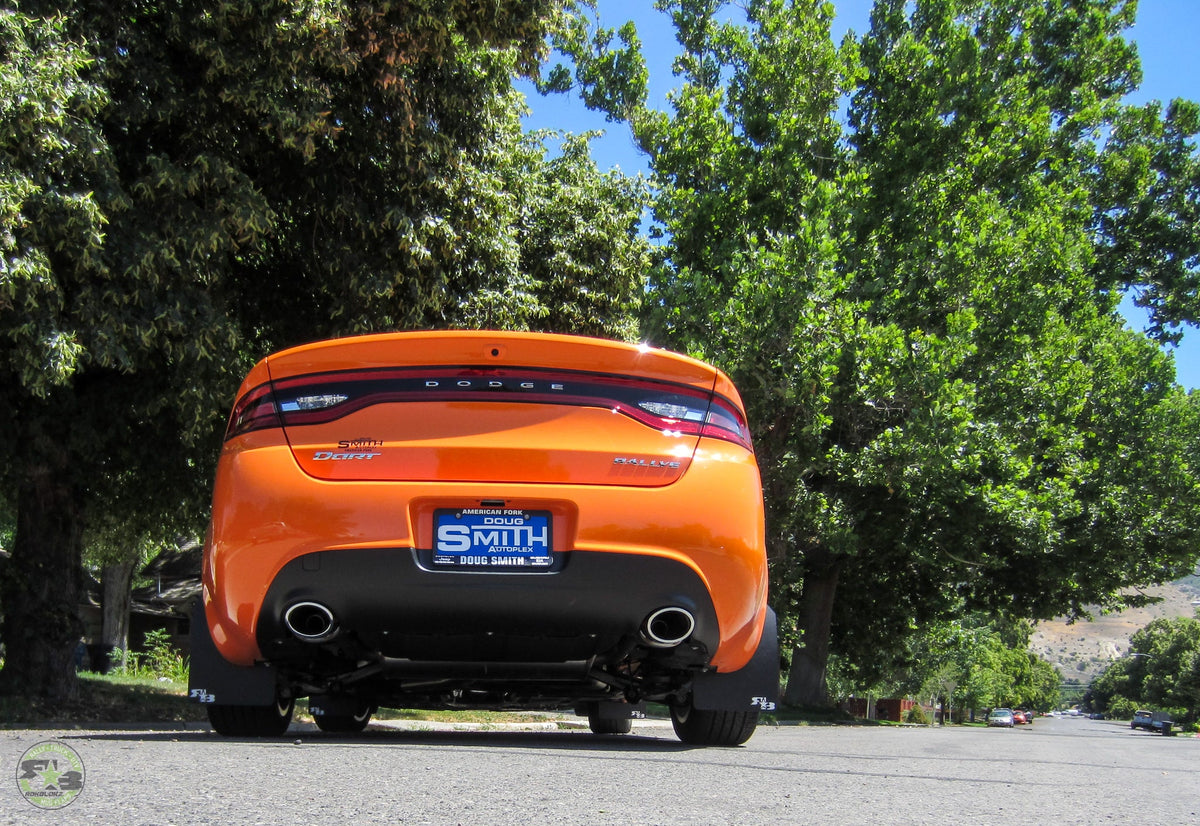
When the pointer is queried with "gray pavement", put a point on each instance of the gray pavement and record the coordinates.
(1068, 771)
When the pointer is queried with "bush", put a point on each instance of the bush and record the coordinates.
(1120, 708)
(916, 714)
(160, 659)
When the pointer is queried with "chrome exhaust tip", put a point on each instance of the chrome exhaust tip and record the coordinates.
(310, 622)
(668, 627)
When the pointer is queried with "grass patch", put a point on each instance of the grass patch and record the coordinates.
(107, 700)
(116, 699)
(444, 715)
(796, 715)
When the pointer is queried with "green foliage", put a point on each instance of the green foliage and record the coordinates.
(919, 306)
(1161, 672)
(1120, 708)
(52, 162)
(917, 715)
(159, 659)
(581, 259)
(185, 187)
(979, 663)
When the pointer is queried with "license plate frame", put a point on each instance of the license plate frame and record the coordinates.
(492, 540)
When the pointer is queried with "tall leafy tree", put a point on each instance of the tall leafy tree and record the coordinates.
(185, 186)
(920, 304)
(57, 182)
(1162, 671)
(976, 662)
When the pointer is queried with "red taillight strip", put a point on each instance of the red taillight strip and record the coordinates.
(720, 422)
(726, 422)
(254, 411)
(712, 417)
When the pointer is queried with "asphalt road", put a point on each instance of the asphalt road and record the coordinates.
(1059, 771)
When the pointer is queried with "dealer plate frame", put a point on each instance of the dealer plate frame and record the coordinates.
(490, 540)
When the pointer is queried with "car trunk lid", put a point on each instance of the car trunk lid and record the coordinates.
(496, 407)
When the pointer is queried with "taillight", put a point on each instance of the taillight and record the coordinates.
(713, 418)
(254, 411)
(726, 422)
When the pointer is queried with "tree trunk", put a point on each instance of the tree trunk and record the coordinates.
(116, 581)
(806, 685)
(42, 584)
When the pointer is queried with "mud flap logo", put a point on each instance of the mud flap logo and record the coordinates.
(762, 704)
(200, 695)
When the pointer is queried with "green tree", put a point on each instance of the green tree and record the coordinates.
(920, 307)
(58, 187)
(1161, 671)
(976, 662)
(581, 252)
(187, 186)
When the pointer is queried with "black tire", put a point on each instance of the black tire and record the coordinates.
(344, 723)
(607, 725)
(703, 727)
(251, 721)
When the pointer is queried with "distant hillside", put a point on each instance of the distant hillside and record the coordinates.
(1083, 650)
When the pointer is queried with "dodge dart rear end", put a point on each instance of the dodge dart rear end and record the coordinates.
(486, 520)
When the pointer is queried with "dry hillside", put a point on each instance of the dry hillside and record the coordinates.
(1082, 650)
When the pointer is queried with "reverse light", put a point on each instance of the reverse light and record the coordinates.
(672, 411)
(319, 402)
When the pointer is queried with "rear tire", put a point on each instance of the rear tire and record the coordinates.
(704, 727)
(344, 723)
(251, 721)
(604, 725)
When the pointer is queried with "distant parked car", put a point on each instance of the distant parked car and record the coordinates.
(1002, 717)
(1159, 722)
(1141, 719)
(1019, 717)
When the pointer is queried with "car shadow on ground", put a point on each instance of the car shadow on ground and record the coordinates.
(376, 736)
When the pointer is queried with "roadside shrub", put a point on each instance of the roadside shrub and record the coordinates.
(916, 714)
(160, 659)
(1120, 708)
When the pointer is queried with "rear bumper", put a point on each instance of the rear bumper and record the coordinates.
(383, 602)
(626, 552)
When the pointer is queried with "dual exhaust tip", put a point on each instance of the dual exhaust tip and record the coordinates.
(310, 622)
(314, 622)
(668, 627)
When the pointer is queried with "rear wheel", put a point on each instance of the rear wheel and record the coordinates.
(251, 721)
(705, 727)
(607, 725)
(344, 723)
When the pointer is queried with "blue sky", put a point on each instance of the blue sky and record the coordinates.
(1167, 33)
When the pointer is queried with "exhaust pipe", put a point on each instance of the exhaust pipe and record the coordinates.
(310, 622)
(668, 627)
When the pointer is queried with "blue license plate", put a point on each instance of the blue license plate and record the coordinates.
(494, 539)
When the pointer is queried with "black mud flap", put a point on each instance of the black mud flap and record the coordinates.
(755, 687)
(213, 679)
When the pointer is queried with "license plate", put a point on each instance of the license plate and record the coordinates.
(494, 539)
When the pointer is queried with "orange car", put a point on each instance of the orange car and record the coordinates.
(486, 520)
